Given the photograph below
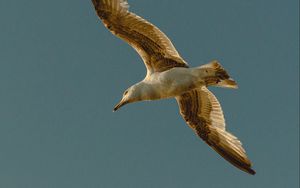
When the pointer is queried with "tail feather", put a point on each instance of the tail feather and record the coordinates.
(229, 83)
(218, 76)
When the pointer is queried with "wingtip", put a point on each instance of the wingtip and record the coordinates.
(251, 171)
(236, 160)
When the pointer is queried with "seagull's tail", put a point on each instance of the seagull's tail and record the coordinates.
(216, 75)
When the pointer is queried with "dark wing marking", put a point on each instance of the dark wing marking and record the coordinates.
(155, 48)
(203, 113)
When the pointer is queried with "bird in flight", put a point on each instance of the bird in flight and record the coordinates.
(169, 76)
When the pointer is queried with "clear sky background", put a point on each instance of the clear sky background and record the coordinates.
(62, 72)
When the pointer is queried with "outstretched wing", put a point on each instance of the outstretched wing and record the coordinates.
(156, 50)
(203, 113)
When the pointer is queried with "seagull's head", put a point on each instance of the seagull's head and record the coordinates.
(130, 95)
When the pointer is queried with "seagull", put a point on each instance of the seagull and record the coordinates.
(169, 76)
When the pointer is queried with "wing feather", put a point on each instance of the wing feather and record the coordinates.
(154, 47)
(203, 113)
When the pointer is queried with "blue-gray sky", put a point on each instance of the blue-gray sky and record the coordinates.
(61, 73)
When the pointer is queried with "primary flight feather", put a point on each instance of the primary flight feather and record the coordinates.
(169, 76)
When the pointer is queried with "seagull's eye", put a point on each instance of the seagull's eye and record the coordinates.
(125, 93)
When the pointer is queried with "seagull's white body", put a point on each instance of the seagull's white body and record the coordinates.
(170, 83)
(169, 76)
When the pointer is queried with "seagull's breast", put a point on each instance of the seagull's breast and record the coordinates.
(172, 82)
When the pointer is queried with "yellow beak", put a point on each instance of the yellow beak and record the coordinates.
(120, 104)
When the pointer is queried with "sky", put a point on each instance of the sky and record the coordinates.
(62, 72)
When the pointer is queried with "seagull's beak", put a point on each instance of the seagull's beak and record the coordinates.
(120, 104)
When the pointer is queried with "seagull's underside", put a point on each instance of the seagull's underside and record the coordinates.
(168, 75)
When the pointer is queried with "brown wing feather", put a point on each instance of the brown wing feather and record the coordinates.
(203, 113)
(156, 50)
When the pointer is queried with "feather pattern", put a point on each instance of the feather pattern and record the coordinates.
(203, 113)
(154, 47)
